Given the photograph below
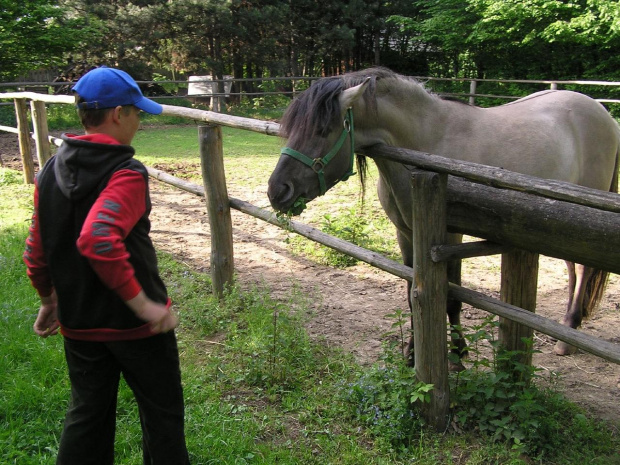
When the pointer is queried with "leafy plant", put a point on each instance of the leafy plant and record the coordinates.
(384, 399)
(400, 318)
(269, 340)
(350, 225)
(499, 397)
(296, 209)
(8, 177)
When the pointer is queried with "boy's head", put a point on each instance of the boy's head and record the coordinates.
(105, 88)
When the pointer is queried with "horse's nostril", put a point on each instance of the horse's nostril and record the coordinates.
(280, 195)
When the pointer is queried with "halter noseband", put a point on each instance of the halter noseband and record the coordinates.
(318, 164)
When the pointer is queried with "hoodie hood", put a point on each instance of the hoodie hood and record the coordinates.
(81, 164)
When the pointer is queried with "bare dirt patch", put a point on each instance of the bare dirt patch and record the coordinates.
(350, 306)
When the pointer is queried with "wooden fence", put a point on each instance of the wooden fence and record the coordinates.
(461, 194)
(298, 84)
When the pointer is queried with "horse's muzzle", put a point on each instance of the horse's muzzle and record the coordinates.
(281, 195)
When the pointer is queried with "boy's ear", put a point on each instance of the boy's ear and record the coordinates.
(116, 113)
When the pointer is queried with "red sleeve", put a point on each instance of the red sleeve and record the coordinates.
(113, 215)
(34, 257)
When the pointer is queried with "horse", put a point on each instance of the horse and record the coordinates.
(554, 134)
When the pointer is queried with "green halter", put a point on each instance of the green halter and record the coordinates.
(318, 164)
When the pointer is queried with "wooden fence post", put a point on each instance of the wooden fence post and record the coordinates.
(519, 283)
(21, 114)
(41, 131)
(218, 207)
(429, 292)
(473, 85)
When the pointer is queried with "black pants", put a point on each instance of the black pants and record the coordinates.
(151, 368)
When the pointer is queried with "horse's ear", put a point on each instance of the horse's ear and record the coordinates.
(349, 96)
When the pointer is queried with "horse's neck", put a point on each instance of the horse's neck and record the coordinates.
(408, 117)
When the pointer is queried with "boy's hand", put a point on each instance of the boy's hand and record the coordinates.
(158, 315)
(47, 323)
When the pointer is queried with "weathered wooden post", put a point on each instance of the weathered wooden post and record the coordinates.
(218, 206)
(473, 85)
(21, 114)
(41, 131)
(519, 283)
(429, 293)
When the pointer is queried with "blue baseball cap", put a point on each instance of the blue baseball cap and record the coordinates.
(108, 88)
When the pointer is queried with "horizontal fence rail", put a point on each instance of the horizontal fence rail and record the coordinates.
(289, 80)
(499, 177)
(212, 117)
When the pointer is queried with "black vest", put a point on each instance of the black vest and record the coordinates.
(84, 302)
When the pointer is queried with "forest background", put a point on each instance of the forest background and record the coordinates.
(162, 39)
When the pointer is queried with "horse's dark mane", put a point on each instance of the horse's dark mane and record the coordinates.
(317, 110)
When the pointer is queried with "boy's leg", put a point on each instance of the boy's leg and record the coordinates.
(151, 368)
(88, 434)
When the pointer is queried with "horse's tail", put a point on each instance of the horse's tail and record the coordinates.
(595, 287)
(614, 179)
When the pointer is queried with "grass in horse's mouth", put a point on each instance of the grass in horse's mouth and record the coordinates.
(298, 207)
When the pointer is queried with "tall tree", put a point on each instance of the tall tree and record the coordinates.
(36, 34)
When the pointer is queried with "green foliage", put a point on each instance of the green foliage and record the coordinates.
(351, 225)
(10, 177)
(528, 420)
(7, 114)
(296, 209)
(35, 34)
(33, 375)
(533, 39)
(399, 318)
(505, 401)
(272, 100)
(16, 204)
(272, 351)
(171, 88)
(383, 398)
(62, 117)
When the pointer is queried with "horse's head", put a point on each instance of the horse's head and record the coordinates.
(319, 151)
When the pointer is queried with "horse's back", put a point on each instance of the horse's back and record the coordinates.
(561, 135)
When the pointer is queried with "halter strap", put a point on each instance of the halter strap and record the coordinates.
(318, 164)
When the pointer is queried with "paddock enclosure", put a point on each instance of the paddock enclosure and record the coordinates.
(463, 185)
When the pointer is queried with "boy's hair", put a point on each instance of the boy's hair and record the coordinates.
(93, 117)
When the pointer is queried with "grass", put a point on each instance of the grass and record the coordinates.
(33, 382)
(258, 390)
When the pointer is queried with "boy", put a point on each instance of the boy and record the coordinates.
(91, 260)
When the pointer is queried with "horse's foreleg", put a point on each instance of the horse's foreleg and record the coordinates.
(459, 347)
(406, 250)
(578, 276)
(572, 279)
(410, 348)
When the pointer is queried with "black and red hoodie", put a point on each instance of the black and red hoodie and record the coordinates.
(89, 239)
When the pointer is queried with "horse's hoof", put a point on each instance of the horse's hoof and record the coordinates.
(562, 348)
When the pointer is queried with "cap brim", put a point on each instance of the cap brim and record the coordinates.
(149, 106)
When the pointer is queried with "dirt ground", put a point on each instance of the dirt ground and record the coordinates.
(351, 306)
